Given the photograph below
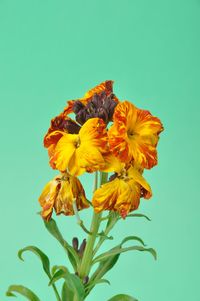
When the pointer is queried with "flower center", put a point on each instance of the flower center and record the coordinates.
(123, 174)
(77, 143)
(131, 134)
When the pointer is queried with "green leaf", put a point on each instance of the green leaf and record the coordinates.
(122, 297)
(60, 272)
(119, 250)
(103, 268)
(73, 288)
(138, 215)
(66, 295)
(105, 265)
(132, 238)
(43, 257)
(24, 291)
(95, 282)
(73, 256)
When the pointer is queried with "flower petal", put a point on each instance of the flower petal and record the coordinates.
(64, 151)
(60, 194)
(134, 135)
(47, 198)
(118, 195)
(94, 132)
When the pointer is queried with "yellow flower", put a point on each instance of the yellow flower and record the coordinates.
(123, 192)
(134, 135)
(60, 193)
(81, 152)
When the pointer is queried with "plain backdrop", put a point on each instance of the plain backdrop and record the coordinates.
(51, 51)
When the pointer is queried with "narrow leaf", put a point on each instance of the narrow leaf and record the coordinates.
(122, 250)
(24, 291)
(132, 238)
(58, 275)
(95, 282)
(103, 268)
(73, 256)
(66, 294)
(74, 287)
(43, 257)
(122, 297)
(139, 215)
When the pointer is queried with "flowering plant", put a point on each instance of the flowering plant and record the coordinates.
(115, 141)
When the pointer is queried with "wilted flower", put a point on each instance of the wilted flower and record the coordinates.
(105, 87)
(123, 192)
(101, 106)
(134, 135)
(60, 193)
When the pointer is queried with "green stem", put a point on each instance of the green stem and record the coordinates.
(87, 256)
(56, 292)
(106, 232)
(96, 220)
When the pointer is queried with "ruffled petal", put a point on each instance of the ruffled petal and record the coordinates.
(48, 197)
(112, 163)
(106, 86)
(60, 123)
(123, 193)
(64, 151)
(94, 132)
(60, 194)
(134, 135)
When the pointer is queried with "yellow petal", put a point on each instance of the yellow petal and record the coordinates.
(64, 151)
(134, 135)
(48, 197)
(94, 132)
(134, 174)
(112, 163)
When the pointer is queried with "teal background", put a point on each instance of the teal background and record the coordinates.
(51, 51)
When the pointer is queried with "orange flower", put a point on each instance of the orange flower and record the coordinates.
(106, 87)
(123, 192)
(60, 193)
(83, 151)
(134, 135)
(60, 123)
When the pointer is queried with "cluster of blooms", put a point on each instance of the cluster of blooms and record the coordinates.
(87, 144)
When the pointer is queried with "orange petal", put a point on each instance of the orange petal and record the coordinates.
(48, 197)
(106, 86)
(134, 135)
(94, 132)
(117, 195)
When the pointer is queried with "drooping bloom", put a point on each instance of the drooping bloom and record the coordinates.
(134, 135)
(60, 193)
(123, 192)
(81, 152)
(105, 88)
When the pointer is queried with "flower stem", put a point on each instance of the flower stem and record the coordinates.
(96, 220)
(56, 292)
(87, 257)
(114, 219)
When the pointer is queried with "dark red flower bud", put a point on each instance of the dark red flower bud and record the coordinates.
(82, 248)
(75, 243)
